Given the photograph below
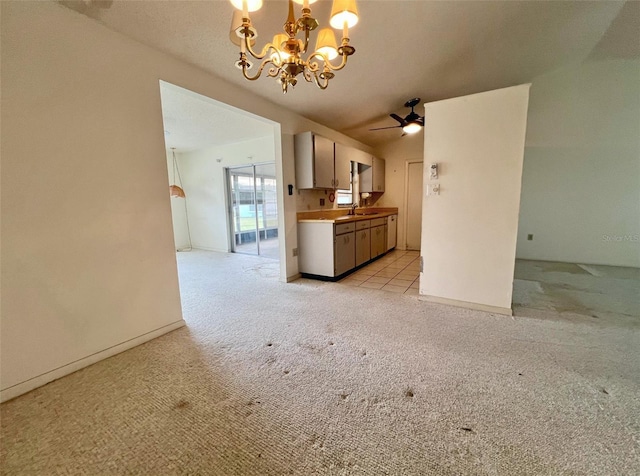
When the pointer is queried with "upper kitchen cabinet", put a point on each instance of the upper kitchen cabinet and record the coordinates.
(372, 178)
(314, 161)
(342, 165)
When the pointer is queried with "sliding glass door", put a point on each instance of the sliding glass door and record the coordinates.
(253, 209)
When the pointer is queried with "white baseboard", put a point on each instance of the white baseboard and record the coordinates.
(467, 305)
(293, 278)
(40, 380)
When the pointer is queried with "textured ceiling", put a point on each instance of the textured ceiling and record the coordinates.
(404, 49)
(192, 121)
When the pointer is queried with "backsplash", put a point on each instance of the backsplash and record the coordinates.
(307, 200)
(310, 200)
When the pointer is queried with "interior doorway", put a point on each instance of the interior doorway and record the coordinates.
(413, 201)
(253, 210)
(208, 137)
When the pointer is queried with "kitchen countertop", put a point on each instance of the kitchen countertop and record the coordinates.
(330, 216)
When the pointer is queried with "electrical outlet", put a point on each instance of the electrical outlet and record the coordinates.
(322, 202)
(295, 252)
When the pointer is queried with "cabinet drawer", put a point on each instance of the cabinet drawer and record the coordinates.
(363, 225)
(378, 222)
(345, 228)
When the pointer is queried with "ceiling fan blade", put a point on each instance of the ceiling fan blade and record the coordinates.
(399, 119)
(381, 128)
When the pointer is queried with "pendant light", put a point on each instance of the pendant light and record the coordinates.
(175, 190)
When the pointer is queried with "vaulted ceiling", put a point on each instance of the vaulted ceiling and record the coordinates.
(404, 49)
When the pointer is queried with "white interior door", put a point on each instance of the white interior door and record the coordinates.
(414, 205)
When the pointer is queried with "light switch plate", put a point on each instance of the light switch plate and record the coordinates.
(433, 189)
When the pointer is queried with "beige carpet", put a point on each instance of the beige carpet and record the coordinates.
(322, 378)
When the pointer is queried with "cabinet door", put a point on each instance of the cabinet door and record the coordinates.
(378, 175)
(372, 178)
(392, 230)
(365, 176)
(342, 166)
(363, 246)
(345, 253)
(323, 162)
(377, 241)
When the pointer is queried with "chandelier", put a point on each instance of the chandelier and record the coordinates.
(283, 56)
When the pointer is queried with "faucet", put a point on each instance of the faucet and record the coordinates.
(353, 209)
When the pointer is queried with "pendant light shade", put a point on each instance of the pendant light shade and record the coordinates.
(343, 11)
(175, 190)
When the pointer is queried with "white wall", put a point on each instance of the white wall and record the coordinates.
(469, 230)
(581, 179)
(396, 155)
(204, 185)
(88, 260)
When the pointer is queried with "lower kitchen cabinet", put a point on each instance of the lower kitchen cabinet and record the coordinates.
(363, 242)
(378, 238)
(345, 252)
(328, 250)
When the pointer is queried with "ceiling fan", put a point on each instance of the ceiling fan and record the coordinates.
(410, 124)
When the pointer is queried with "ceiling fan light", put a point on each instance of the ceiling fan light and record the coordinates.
(326, 43)
(411, 128)
(252, 5)
(301, 2)
(343, 11)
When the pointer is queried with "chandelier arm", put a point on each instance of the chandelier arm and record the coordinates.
(265, 49)
(306, 41)
(321, 85)
(312, 66)
(327, 62)
(273, 70)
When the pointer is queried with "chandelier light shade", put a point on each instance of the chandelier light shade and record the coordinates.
(288, 56)
(236, 22)
(326, 43)
(344, 12)
(248, 5)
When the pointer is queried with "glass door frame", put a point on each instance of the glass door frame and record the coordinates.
(230, 214)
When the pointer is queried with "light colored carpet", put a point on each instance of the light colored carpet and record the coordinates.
(321, 378)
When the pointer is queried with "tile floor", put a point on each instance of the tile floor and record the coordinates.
(397, 272)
